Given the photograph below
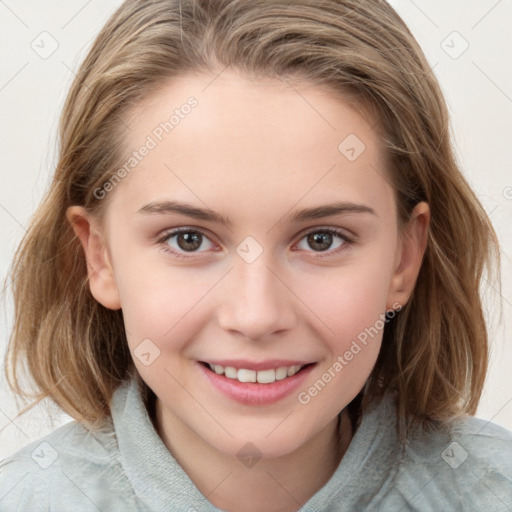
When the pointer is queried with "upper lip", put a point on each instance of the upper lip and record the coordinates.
(271, 364)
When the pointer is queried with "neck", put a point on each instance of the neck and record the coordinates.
(281, 484)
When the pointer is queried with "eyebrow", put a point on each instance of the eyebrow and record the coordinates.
(318, 212)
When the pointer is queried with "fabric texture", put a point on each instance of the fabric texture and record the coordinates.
(125, 467)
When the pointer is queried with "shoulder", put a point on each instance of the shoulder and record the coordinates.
(468, 463)
(72, 465)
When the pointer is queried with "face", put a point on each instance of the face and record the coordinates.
(257, 235)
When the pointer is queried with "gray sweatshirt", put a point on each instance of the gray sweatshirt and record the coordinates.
(125, 467)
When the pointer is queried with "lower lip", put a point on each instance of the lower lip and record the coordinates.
(253, 393)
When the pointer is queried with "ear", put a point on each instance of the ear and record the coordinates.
(99, 269)
(409, 255)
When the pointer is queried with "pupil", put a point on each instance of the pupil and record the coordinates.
(323, 239)
(192, 238)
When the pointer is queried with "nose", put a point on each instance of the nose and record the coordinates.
(258, 301)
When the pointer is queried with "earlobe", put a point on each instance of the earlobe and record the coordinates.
(102, 281)
(410, 254)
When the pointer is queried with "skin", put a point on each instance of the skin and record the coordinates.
(255, 152)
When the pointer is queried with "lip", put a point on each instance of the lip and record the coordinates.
(253, 393)
(269, 364)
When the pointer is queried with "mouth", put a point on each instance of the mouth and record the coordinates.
(253, 375)
(256, 384)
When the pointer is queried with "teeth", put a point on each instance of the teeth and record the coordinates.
(246, 375)
(266, 376)
(230, 372)
(281, 373)
(263, 376)
(292, 370)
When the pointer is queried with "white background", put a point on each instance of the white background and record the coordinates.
(477, 85)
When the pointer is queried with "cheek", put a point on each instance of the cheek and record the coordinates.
(154, 295)
(158, 307)
(352, 306)
(155, 298)
(349, 299)
(162, 316)
(351, 303)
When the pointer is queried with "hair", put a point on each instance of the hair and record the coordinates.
(434, 352)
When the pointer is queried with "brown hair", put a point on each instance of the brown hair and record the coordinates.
(434, 352)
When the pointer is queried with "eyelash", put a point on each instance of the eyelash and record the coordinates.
(347, 241)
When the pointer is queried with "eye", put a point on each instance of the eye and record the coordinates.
(186, 240)
(320, 240)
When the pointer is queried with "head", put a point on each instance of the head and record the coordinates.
(277, 99)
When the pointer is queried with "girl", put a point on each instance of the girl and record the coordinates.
(254, 280)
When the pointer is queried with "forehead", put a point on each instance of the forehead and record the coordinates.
(216, 138)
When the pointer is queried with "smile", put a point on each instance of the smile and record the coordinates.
(260, 384)
(262, 376)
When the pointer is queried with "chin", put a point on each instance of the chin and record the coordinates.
(260, 442)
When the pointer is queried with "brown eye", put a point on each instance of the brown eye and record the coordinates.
(321, 240)
(186, 240)
(189, 240)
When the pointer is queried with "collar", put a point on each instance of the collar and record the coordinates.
(160, 483)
